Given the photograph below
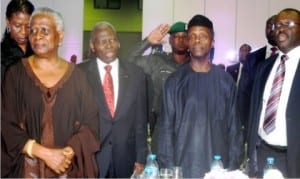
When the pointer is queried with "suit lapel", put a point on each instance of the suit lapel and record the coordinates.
(123, 87)
(265, 70)
(261, 56)
(96, 85)
(294, 98)
(261, 76)
(96, 81)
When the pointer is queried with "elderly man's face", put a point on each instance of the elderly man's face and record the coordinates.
(106, 44)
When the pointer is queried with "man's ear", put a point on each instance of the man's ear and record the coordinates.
(213, 44)
(92, 46)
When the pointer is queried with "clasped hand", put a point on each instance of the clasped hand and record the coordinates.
(59, 160)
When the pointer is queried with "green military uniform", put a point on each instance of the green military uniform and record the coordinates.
(157, 67)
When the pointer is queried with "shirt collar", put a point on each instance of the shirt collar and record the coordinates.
(114, 64)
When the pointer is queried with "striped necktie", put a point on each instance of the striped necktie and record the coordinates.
(272, 105)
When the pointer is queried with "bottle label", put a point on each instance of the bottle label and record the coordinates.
(153, 171)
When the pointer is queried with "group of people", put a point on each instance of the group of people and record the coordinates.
(61, 119)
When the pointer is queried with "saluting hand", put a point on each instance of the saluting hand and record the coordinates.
(156, 36)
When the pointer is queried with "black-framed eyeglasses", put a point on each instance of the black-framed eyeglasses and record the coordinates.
(285, 24)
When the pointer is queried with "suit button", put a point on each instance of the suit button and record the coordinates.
(110, 143)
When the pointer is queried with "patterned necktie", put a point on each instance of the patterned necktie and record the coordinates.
(272, 105)
(108, 88)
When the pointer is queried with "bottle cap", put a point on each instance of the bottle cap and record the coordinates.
(270, 160)
(217, 157)
(152, 156)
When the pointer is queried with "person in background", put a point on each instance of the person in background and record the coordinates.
(120, 90)
(236, 69)
(160, 65)
(15, 44)
(199, 114)
(49, 117)
(274, 110)
(222, 66)
(73, 59)
(249, 70)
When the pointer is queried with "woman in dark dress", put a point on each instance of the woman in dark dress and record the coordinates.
(49, 117)
(15, 44)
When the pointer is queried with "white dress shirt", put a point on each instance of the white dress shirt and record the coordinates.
(114, 73)
(239, 74)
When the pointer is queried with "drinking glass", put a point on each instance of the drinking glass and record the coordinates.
(177, 172)
(166, 173)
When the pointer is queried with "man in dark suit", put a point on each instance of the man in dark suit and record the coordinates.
(280, 138)
(123, 117)
(234, 70)
(248, 72)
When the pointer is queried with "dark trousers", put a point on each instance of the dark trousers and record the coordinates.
(111, 173)
(279, 154)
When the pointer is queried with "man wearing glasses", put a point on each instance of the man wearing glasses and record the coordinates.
(274, 121)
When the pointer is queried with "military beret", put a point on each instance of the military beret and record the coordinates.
(177, 27)
(200, 20)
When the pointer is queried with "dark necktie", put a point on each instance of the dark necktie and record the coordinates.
(272, 105)
(274, 51)
(108, 88)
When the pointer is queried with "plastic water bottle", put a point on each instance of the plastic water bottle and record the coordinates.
(217, 164)
(151, 169)
(269, 166)
(148, 173)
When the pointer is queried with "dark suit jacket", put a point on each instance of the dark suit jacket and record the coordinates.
(246, 84)
(292, 119)
(123, 138)
(233, 70)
